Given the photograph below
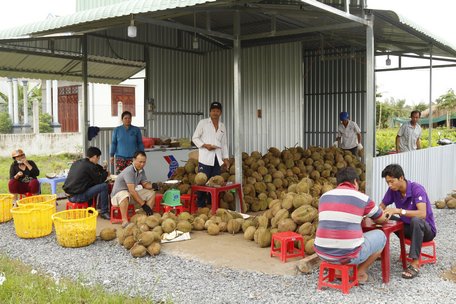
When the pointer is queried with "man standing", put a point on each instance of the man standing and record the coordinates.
(408, 136)
(340, 238)
(210, 138)
(348, 134)
(414, 207)
(86, 179)
(132, 186)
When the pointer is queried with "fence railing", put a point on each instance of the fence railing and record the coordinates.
(432, 167)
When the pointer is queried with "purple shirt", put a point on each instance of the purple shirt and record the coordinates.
(414, 193)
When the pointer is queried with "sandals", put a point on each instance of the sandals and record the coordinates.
(410, 272)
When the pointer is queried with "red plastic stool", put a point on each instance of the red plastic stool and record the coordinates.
(77, 205)
(347, 280)
(286, 247)
(116, 216)
(425, 258)
(158, 206)
(176, 209)
(189, 204)
(27, 194)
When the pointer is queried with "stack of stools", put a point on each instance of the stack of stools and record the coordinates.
(347, 280)
(116, 216)
(287, 249)
(425, 258)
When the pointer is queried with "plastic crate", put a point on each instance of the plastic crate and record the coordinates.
(33, 220)
(76, 227)
(47, 199)
(6, 203)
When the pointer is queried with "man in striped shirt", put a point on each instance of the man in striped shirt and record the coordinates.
(340, 238)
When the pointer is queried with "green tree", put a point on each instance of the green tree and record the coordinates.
(45, 123)
(447, 102)
(420, 107)
(6, 125)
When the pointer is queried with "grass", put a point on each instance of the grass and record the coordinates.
(46, 164)
(24, 285)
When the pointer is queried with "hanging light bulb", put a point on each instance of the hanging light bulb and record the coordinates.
(195, 43)
(388, 60)
(132, 30)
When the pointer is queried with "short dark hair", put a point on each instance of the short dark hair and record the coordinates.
(92, 151)
(125, 113)
(393, 170)
(139, 153)
(347, 174)
(415, 112)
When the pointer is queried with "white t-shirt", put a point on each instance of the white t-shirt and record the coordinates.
(205, 133)
(348, 135)
(408, 135)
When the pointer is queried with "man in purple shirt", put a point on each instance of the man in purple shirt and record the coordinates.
(413, 205)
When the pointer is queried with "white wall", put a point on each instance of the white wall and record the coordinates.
(102, 106)
(41, 144)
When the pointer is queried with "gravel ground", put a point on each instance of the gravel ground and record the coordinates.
(168, 277)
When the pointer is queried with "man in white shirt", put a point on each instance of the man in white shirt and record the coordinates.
(408, 136)
(348, 134)
(210, 138)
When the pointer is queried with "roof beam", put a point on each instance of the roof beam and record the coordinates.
(417, 67)
(57, 73)
(183, 27)
(301, 31)
(335, 11)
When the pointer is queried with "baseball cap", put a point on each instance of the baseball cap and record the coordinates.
(343, 115)
(216, 105)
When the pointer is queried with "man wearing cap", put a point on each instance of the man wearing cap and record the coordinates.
(348, 134)
(210, 138)
(408, 136)
(23, 174)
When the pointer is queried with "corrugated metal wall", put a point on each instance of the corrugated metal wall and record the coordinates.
(334, 81)
(437, 177)
(270, 81)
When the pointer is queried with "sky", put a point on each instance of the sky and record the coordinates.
(435, 16)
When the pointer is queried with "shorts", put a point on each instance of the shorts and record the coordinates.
(144, 194)
(374, 241)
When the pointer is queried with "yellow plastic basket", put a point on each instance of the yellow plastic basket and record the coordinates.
(33, 220)
(47, 199)
(76, 227)
(6, 203)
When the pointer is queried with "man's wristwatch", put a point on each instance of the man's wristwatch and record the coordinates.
(403, 211)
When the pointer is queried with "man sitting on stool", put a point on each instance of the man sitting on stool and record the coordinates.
(414, 208)
(132, 183)
(86, 179)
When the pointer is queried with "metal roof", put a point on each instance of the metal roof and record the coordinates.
(171, 24)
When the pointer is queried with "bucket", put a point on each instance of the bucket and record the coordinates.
(172, 198)
(148, 142)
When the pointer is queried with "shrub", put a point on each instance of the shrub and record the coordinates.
(45, 123)
(6, 125)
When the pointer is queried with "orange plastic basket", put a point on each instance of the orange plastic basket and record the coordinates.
(33, 220)
(76, 227)
(6, 203)
(47, 199)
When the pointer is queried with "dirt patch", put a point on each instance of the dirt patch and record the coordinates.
(450, 275)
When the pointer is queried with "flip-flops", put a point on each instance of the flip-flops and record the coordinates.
(410, 272)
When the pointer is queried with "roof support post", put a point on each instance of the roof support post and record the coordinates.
(85, 92)
(430, 97)
(237, 99)
(369, 142)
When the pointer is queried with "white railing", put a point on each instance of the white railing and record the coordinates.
(434, 168)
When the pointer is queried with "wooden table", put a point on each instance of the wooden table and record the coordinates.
(391, 226)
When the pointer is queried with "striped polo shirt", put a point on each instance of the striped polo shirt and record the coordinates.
(339, 234)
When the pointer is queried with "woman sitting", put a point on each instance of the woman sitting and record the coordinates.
(23, 175)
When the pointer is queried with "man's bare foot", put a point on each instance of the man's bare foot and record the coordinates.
(362, 277)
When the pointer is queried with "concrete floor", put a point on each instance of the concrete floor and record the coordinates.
(223, 250)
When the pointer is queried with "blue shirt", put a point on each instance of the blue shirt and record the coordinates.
(414, 193)
(125, 142)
